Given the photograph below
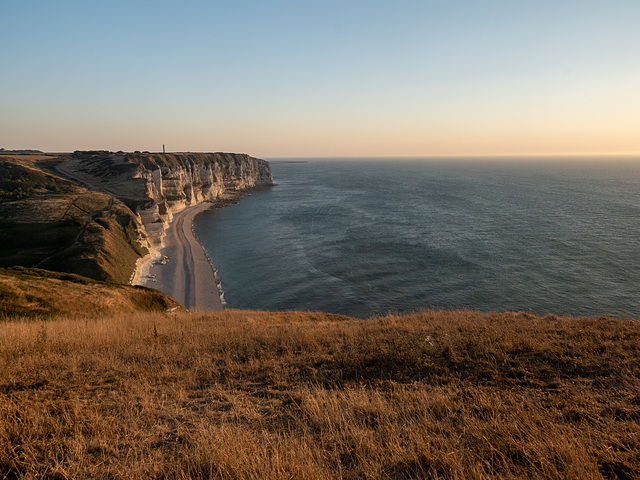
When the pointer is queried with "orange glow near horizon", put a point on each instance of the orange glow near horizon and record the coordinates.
(341, 140)
(318, 79)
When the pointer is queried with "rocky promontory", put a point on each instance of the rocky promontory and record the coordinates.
(157, 185)
(97, 213)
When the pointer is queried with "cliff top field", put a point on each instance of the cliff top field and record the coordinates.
(238, 394)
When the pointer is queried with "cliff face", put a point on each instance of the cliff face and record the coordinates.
(49, 220)
(157, 185)
(176, 181)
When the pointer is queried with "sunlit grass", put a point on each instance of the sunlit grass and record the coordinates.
(245, 394)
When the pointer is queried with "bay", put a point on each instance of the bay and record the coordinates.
(367, 236)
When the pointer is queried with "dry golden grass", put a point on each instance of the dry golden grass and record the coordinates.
(32, 292)
(455, 395)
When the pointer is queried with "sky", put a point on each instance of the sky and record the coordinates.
(309, 78)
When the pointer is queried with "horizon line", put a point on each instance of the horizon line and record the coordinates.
(468, 155)
(355, 156)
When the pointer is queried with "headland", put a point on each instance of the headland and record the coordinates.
(121, 217)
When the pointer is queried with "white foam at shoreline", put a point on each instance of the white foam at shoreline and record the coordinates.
(206, 254)
(143, 265)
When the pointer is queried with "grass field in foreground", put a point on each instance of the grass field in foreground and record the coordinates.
(237, 394)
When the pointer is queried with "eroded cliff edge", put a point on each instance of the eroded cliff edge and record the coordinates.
(122, 217)
(157, 185)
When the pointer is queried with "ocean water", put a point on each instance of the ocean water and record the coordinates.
(362, 237)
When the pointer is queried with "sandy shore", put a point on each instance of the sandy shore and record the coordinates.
(187, 274)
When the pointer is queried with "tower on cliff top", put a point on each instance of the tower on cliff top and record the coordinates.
(163, 148)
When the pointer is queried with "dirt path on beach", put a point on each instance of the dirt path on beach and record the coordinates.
(187, 274)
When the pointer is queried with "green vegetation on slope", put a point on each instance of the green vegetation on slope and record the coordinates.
(446, 395)
(18, 181)
(106, 248)
(50, 222)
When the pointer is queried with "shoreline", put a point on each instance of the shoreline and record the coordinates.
(212, 205)
(181, 268)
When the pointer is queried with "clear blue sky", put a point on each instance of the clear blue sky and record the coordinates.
(322, 78)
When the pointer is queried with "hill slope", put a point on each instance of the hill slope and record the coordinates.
(40, 293)
(54, 223)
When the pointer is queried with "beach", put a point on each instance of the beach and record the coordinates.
(181, 268)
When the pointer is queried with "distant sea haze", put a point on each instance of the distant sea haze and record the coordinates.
(371, 236)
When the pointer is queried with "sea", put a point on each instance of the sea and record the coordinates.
(362, 237)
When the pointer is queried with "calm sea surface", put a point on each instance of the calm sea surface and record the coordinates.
(365, 237)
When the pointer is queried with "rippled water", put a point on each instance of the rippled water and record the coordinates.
(364, 237)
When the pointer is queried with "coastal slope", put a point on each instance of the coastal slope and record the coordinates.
(55, 223)
(104, 214)
(36, 293)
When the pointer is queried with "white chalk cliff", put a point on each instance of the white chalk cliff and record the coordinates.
(157, 185)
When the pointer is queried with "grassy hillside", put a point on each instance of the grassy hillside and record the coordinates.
(451, 395)
(40, 293)
(53, 223)
(19, 181)
(106, 247)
